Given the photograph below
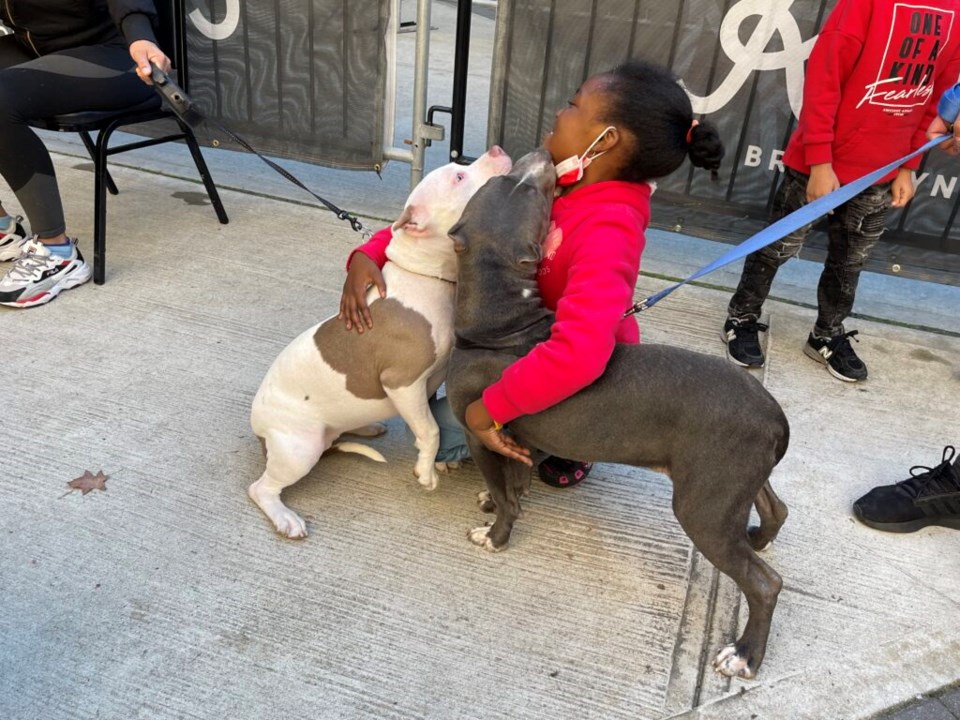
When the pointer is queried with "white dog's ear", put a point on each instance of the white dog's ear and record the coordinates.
(411, 221)
(403, 219)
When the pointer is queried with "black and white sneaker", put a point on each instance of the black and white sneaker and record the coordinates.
(742, 337)
(11, 240)
(838, 355)
(38, 275)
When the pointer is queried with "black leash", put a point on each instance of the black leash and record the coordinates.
(183, 107)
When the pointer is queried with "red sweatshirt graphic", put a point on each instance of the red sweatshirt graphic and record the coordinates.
(587, 277)
(872, 83)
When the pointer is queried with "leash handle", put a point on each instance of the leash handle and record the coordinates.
(179, 101)
(794, 221)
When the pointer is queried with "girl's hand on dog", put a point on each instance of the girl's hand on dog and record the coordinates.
(361, 275)
(492, 436)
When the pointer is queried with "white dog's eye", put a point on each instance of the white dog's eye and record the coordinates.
(460, 177)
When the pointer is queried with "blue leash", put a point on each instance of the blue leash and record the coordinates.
(948, 109)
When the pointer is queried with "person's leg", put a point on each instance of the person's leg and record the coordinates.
(95, 77)
(854, 228)
(453, 441)
(11, 231)
(742, 328)
(761, 267)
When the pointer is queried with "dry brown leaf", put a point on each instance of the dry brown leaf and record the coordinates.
(88, 481)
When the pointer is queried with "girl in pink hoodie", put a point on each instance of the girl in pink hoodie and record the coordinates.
(621, 130)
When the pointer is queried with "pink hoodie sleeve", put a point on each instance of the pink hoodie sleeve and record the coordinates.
(601, 279)
(375, 248)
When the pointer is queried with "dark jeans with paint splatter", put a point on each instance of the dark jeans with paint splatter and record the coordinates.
(853, 228)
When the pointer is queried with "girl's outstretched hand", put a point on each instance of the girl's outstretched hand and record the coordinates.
(492, 436)
(354, 311)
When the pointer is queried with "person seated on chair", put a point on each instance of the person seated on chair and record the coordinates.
(62, 57)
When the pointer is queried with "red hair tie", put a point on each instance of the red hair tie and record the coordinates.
(690, 131)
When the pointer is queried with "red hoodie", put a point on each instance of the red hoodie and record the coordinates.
(591, 260)
(872, 84)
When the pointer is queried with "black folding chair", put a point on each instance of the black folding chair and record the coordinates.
(172, 40)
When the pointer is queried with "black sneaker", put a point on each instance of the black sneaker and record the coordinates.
(743, 341)
(561, 473)
(931, 497)
(838, 355)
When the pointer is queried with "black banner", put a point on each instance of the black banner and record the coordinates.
(742, 62)
(304, 79)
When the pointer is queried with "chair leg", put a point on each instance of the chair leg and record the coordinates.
(100, 181)
(208, 183)
(92, 149)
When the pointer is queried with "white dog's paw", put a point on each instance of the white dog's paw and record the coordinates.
(480, 536)
(285, 520)
(445, 467)
(290, 524)
(729, 663)
(428, 478)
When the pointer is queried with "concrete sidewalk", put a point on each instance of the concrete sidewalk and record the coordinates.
(169, 596)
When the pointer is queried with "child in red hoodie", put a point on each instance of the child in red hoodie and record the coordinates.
(871, 89)
(621, 130)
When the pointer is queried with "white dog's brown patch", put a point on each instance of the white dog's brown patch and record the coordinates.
(394, 354)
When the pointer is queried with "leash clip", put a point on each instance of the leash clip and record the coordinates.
(352, 219)
(637, 307)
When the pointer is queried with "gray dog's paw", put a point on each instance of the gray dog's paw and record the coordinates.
(729, 663)
(485, 502)
(480, 536)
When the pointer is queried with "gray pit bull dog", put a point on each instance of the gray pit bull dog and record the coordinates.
(712, 428)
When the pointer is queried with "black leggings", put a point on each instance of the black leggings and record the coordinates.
(93, 77)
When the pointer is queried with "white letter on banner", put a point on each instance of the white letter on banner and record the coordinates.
(941, 185)
(776, 160)
(221, 30)
(775, 17)
(752, 158)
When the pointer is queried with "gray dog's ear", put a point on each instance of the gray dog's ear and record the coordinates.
(459, 238)
(533, 255)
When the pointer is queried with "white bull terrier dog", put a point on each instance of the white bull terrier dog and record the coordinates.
(329, 381)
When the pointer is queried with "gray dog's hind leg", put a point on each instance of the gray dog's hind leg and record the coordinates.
(722, 541)
(772, 512)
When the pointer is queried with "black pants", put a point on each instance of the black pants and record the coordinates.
(853, 228)
(93, 77)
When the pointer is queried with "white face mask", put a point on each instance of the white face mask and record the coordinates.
(570, 171)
